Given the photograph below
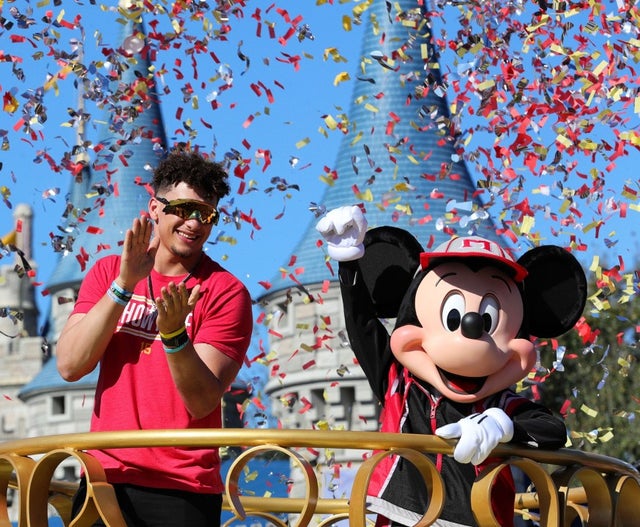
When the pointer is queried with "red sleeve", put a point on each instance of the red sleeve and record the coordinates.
(96, 282)
(223, 317)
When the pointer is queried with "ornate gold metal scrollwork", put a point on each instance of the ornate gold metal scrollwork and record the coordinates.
(626, 498)
(100, 500)
(311, 484)
(547, 497)
(588, 488)
(430, 477)
(599, 503)
(23, 468)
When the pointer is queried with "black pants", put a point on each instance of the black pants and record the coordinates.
(149, 507)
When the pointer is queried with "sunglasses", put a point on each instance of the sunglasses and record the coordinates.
(189, 209)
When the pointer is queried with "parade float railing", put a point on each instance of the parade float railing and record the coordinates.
(569, 487)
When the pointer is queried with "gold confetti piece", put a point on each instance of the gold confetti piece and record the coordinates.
(528, 222)
(328, 180)
(176, 26)
(341, 77)
(590, 226)
(486, 85)
(606, 437)
(330, 122)
(251, 476)
(588, 144)
(357, 138)
(565, 205)
(589, 411)
(303, 142)
(633, 137)
(564, 140)
(334, 54)
(346, 23)
(365, 196)
(624, 363)
(406, 209)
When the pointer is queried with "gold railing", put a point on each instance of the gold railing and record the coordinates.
(569, 487)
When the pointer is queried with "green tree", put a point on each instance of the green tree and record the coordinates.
(590, 375)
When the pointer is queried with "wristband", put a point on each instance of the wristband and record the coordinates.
(177, 348)
(178, 340)
(173, 333)
(119, 295)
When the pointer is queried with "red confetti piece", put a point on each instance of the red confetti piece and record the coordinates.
(308, 365)
(247, 122)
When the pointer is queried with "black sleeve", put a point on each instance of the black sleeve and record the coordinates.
(536, 426)
(368, 337)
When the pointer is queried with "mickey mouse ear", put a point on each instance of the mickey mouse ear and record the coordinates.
(555, 290)
(390, 260)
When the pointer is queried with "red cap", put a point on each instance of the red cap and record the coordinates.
(476, 247)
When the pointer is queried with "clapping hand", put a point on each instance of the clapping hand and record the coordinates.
(174, 304)
(138, 253)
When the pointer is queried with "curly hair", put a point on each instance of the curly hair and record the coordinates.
(206, 177)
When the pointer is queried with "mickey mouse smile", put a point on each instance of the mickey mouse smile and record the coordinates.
(460, 383)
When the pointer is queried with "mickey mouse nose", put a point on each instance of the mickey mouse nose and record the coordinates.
(472, 325)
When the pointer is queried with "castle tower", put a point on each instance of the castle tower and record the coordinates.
(106, 194)
(400, 159)
(16, 290)
(20, 344)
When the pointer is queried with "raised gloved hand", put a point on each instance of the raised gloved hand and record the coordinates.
(344, 229)
(479, 434)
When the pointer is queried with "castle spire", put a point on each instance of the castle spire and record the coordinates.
(400, 157)
(109, 192)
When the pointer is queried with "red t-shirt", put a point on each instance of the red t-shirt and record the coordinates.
(135, 390)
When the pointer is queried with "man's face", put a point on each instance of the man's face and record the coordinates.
(184, 219)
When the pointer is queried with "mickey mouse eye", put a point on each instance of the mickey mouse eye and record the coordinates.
(452, 311)
(490, 313)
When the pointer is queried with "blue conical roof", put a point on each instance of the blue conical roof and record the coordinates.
(49, 379)
(112, 190)
(400, 157)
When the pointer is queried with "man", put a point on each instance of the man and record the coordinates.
(170, 328)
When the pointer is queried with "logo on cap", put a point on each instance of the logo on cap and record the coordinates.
(476, 247)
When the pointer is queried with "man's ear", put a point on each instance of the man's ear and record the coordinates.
(153, 209)
(555, 290)
(391, 259)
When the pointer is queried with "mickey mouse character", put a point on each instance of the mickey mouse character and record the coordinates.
(464, 316)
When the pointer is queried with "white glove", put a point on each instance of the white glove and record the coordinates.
(479, 434)
(344, 229)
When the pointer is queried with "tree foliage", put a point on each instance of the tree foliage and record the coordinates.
(591, 376)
